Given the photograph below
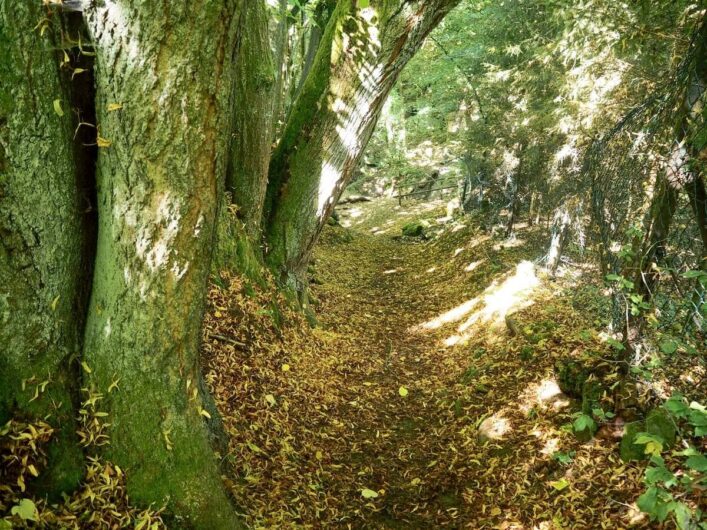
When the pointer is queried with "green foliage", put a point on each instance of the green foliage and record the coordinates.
(674, 479)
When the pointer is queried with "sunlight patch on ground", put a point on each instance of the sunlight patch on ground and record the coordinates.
(478, 241)
(512, 242)
(495, 427)
(544, 394)
(473, 265)
(453, 315)
(514, 293)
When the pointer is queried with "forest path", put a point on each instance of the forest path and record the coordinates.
(412, 405)
(453, 421)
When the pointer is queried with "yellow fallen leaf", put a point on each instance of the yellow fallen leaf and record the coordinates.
(368, 494)
(559, 485)
(403, 391)
(285, 367)
(270, 399)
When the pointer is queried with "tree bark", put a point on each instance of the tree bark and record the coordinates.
(693, 119)
(560, 233)
(253, 119)
(361, 54)
(41, 238)
(164, 83)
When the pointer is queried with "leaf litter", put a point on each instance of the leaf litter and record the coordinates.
(374, 420)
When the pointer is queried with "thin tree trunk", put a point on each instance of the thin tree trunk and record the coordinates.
(41, 242)
(164, 84)
(319, 22)
(252, 139)
(280, 59)
(693, 118)
(560, 234)
(362, 53)
(645, 275)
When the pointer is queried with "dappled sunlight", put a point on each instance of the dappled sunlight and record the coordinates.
(544, 394)
(453, 315)
(512, 294)
(495, 427)
(473, 265)
(512, 242)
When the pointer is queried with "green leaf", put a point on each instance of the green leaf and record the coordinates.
(584, 422)
(683, 516)
(669, 346)
(648, 501)
(653, 443)
(660, 474)
(26, 510)
(677, 406)
(613, 277)
(57, 107)
(698, 463)
(368, 494)
(362, 4)
(615, 344)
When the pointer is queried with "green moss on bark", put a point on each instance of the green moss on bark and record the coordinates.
(40, 243)
(159, 182)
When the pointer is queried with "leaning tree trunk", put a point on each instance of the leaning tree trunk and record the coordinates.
(41, 238)
(164, 84)
(361, 54)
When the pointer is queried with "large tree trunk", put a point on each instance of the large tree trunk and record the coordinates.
(41, 240)
(160, 171)
(360, 57)
(250, 149)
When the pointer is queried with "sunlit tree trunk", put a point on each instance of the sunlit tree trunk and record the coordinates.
(362, 52)
(560, 234)
(164, 79)
(42, 270)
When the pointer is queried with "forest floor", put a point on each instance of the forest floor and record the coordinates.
(414, 404)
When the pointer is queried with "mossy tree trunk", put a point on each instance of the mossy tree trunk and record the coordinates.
(253, 119)
(41, 241)
(361, 54)
(164, 82)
